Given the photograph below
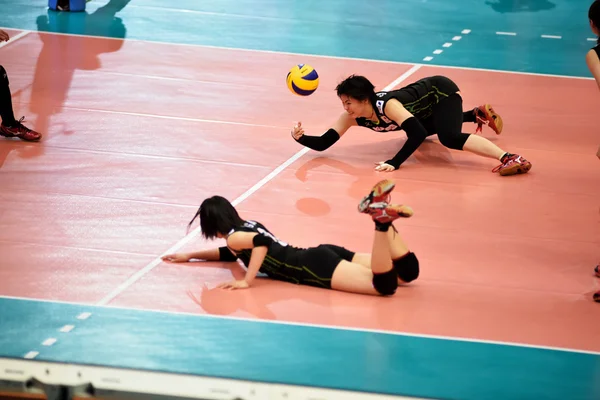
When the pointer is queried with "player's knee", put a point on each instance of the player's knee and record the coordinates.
(454, 141)
(386, 283)
(407, 267)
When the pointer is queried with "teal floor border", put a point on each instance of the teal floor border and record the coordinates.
(406, 31)
(295, 354)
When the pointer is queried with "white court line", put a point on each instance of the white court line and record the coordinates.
(31, 355)
(401, 78)
(309, 325)
(49, 342)
(446, 44)
(132, 279)
(67, 328)
(506, 33)
(84, 315)
(304, 55)
(15, 38)
(551, 37)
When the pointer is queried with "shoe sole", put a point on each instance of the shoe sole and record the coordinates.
(10, 135)
(495, 123)
(381, 188)
(402, 210)
(392, 212)
(516, 169)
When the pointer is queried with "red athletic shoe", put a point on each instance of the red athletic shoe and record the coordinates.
(379, 194)
(597, 270)
(597, 297)
(485, 115)
(384, 213)
(20, 131)
(513, 164)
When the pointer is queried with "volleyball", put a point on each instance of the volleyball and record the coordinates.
(302, 80)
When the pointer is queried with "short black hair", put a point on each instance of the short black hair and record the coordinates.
(217, 215)
(356, 86)
(594, 15)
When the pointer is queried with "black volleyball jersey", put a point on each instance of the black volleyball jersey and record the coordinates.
(418, 98)
(280, 258)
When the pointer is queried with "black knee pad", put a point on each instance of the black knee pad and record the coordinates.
(386, 283)
(454, 141)
(407, 267)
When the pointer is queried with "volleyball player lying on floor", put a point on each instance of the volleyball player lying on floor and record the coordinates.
(326, 265)
(429, 106)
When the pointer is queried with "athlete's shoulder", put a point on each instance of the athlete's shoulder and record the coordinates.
(383, 98)
(262, 230)
(246, 226)
(240, 236)
(592, 58)
(385, 94)
(252, 226)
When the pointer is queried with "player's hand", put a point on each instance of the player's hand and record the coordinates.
(384, 167)
(241, 284)
(176, 258)
(297, 131)
(4, 36)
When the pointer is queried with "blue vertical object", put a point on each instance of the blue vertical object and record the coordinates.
(74, 5)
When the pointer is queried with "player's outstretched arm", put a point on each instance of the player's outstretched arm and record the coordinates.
(216, 254)
(415, 133)
(326, 140)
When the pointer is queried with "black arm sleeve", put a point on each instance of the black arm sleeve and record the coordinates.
(320, 143)
(262, 240)
(416, 134)
(226, 255)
